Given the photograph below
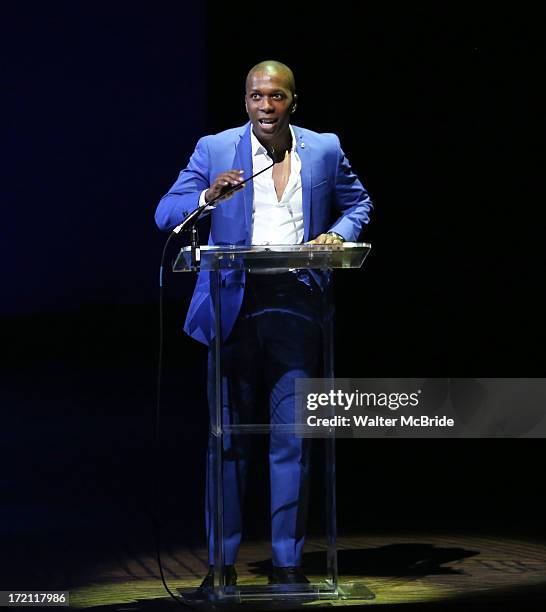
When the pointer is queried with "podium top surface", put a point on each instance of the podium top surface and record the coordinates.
(272, 258)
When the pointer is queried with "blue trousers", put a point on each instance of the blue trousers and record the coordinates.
(276, 339)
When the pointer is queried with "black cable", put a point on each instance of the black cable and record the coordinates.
(156, 512)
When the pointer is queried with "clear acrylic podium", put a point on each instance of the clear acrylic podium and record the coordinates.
(220, 261)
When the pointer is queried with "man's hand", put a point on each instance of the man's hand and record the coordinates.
(222, 183)
(327, 239)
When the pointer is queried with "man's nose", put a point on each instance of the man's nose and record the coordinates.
(266, 105)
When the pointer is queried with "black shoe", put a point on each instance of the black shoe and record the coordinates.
(287, 575)
(230, 577)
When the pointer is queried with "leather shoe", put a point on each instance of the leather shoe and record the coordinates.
(230, 577)
(287, 575)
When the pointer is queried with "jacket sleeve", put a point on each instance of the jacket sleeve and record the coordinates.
(351, 199)
(183, 196)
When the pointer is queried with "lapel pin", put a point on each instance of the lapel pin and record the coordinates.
(302, 145)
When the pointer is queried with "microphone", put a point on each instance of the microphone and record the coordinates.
(276, 156)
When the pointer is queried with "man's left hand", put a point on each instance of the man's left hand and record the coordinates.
(326, 239)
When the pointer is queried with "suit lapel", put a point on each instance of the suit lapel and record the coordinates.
(243, 160)
(305, 154)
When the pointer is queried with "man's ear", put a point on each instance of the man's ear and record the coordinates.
(294, 103)
(246, 106)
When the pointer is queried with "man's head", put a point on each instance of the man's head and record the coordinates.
(270, 99)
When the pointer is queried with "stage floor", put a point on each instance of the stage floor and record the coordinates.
(420, 571)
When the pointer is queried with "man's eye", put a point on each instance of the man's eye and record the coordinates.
(254, 96)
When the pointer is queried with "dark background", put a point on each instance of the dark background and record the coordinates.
(437, 109)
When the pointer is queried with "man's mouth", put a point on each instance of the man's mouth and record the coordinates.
(267, 121)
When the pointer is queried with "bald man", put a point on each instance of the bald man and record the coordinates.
(270, 323)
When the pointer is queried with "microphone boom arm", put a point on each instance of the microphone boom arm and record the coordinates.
(193, 217)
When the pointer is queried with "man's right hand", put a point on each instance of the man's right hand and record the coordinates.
(222, 183)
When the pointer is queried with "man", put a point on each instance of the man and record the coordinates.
(270, 323)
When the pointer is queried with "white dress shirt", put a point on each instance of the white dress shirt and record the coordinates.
(274, 221)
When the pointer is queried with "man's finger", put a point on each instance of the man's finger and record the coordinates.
(232, 188)
(234, 175)
(230, 177)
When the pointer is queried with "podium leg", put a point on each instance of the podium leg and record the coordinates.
(329, 442)
(217, 429)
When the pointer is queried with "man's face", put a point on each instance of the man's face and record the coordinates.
(268, 102)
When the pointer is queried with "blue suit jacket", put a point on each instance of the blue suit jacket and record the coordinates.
(333, 199)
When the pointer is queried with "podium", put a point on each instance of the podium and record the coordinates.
(222, 263)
